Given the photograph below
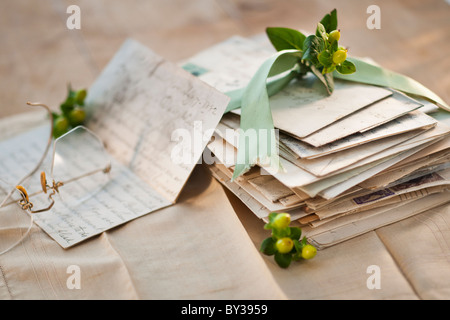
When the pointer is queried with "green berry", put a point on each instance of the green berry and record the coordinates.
(308, 252)
(334, 35)
(281, 220)
(77, 116)
(80, 95)
(60, 126)
(339, 56)
(284, 245)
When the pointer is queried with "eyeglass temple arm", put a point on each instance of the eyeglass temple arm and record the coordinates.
(49, 141)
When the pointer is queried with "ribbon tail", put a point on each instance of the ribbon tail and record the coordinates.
(257, 139)
(375, 75)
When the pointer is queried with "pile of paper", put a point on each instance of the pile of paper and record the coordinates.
(353, 161)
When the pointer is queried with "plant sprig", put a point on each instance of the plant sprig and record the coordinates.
(71, 113)
(321, 53)
(285, 244)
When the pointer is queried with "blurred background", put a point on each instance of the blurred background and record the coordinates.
(39, 55)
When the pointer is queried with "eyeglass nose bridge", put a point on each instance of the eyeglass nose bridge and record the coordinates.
(45, 187)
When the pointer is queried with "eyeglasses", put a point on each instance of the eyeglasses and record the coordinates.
(79, 167)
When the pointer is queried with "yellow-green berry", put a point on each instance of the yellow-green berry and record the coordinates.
(334, 35)
(309, 252)
(60, 126)
(339, 56)
(77, 116)
(80, 95)
(281, 220)
(284, 245)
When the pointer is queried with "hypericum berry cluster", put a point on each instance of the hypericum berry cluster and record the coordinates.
(327, 55)
(285, 244)
(320, 52)
(72, 112)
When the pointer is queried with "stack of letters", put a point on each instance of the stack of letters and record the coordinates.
(353, 161)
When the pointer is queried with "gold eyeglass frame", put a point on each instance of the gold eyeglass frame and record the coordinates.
(52, 189)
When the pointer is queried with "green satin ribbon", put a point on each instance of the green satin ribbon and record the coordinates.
(257, 139)
(378, 76)
(273, 75)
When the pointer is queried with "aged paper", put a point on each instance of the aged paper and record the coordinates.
(365, 119)
(411, 121)
(327, 164)
(336, 189)
(304, 106)
(294, 177)
(228, 65)
(123, 197)
(148, 100)
(254, 205)
(223, 151)
(331, 187)
(261, 197)
(303, 182)
(319, 202)
(384, 179)
(352, 225)
(442, 145)
(134, 107)
(400, 192)
(271, 188)
(371, 152)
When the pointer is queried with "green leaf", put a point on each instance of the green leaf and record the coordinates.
(295, 233)
(272, 216)
(326, 58)
(304, 242)
(321, 32)
(334, 46)
(297, 245)
(326, 79)
(346, 67)
(375, 75)
(70, 92)
(298, 251)
(268, 226)
(329, 69)
(297, 256)
(312, 46)
(329, 21)
(67, 106)
(285, 38)
(268, 247)
(283, 65)
(54, 115)
(283, 259)
(281, 233)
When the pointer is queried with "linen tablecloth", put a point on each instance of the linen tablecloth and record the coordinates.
(206, 247)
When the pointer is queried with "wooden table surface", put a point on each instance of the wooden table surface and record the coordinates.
(39, 55)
